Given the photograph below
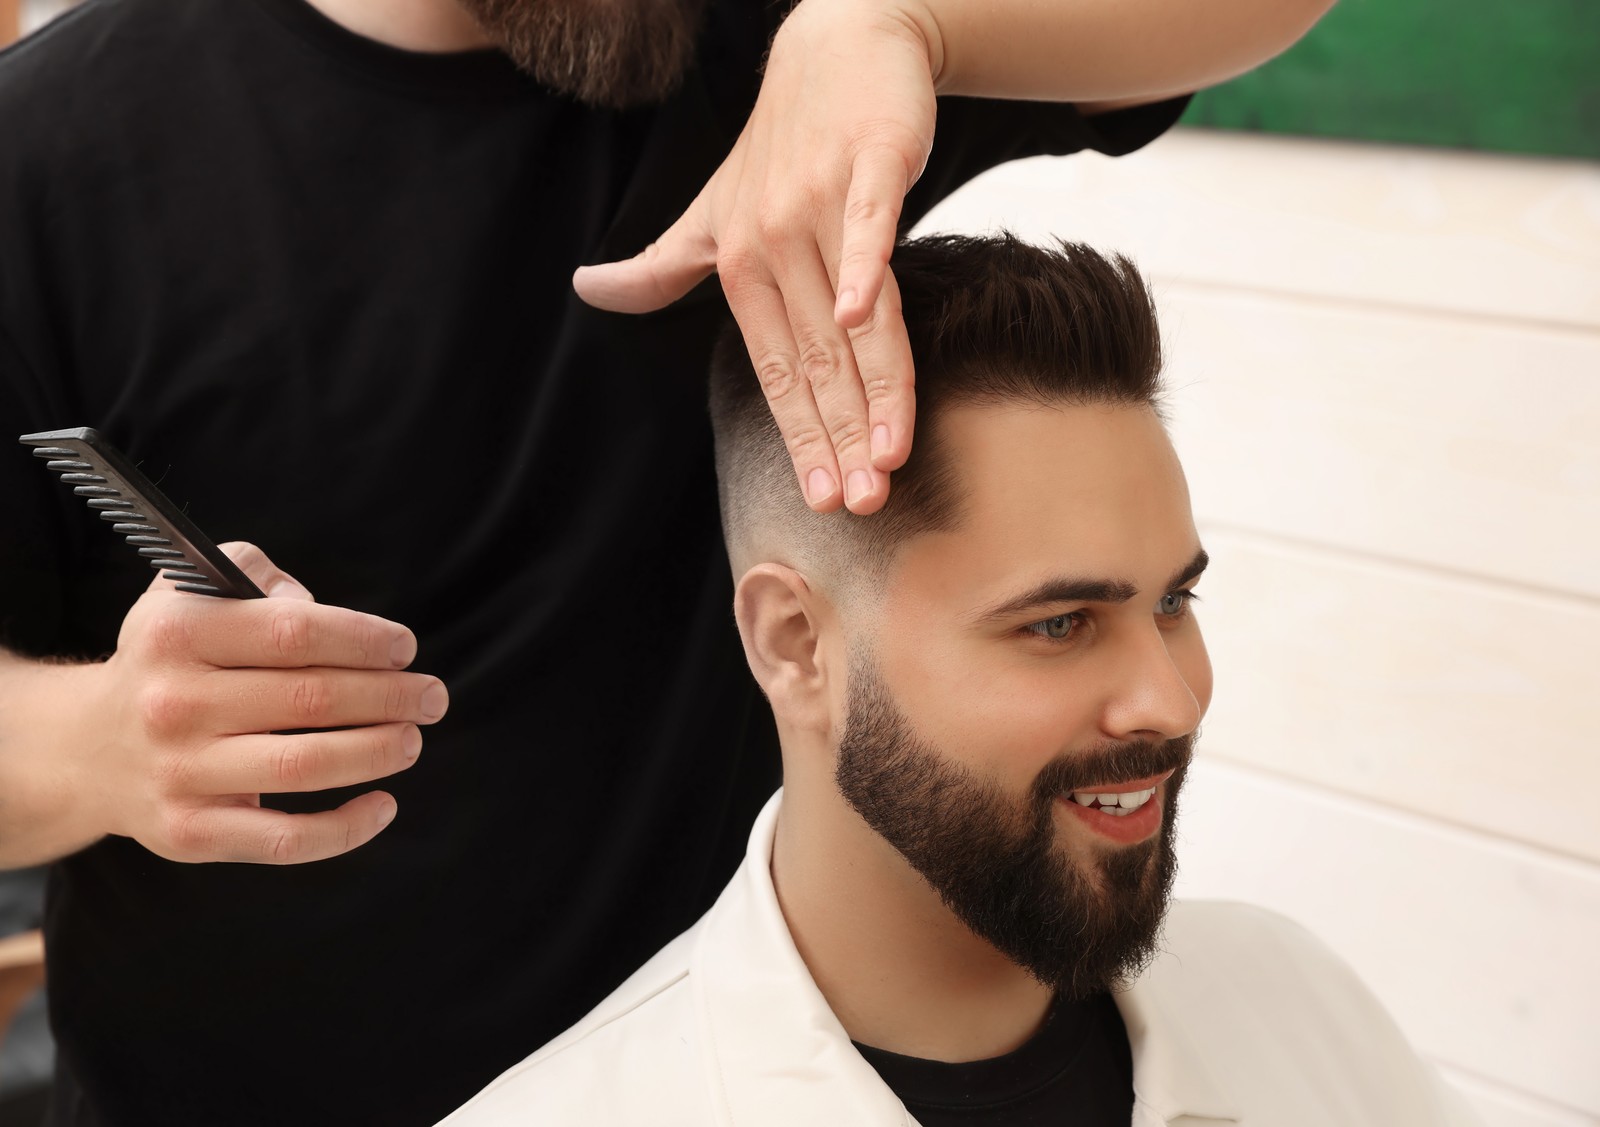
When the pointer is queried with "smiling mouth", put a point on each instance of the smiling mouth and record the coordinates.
(1118, 800)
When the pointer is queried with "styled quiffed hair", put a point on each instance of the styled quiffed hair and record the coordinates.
(992, 320)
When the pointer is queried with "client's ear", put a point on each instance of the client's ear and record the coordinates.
(780, 621)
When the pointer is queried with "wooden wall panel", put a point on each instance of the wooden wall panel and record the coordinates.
(1443, 696)
(1456, 232)
(1504, 1107)
(1470, 445)
(1483, 951)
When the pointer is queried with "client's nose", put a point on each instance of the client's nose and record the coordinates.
(1150, 695)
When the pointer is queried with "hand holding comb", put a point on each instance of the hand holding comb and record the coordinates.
(140, 512)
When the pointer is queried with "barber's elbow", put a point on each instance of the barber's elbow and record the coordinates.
(1285, 23)
(1305, 14)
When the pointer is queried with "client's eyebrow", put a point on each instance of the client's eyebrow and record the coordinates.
(1065, 589)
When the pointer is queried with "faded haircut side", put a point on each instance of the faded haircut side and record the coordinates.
(992, 320)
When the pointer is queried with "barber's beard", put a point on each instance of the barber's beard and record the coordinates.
(1082, 925)
(614, 54)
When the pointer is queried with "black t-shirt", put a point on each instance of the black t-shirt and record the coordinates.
(1077, 1069)
(320, 288)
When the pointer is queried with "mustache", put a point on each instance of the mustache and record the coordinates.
(1110, 762)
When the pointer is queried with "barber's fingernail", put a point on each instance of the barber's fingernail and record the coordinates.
(859, 486)
(847, 298)
(819, 486)
(404, 651)
(434, 701)
(386, 813)
(411, 742)
(880, 440)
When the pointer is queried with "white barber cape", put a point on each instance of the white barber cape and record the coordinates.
(1244, 1019)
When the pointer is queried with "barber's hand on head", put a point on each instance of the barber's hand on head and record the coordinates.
(799, 222)
(184, 712)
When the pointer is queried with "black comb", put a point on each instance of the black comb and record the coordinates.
(103, 475)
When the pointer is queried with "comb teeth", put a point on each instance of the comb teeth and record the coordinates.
(156, 529)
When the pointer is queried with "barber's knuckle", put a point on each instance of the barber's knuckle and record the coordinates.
(383, 751)
(777, 376)
(881, 388)
(283, 844)
(402, 697)
(290, 630)
(778, 224)
(295, 764)
(370, 645)
(310, 700)
(164, 709)
(739, 267)
(245, 554)
(865, 210)
(885, 135)
(168, 632)
(805, 441)
(848, 433)
(185, 833)
(820, 360)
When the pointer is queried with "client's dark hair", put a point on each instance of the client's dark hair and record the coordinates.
(991, 320)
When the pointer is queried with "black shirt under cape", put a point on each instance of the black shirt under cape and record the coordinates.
(1076, 1069)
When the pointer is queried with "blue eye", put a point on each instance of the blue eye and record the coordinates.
(1057, 629)
(1175, 603)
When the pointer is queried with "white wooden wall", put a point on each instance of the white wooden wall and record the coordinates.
(1386, 373)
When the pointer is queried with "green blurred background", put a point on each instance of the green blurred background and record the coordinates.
(1516, 76)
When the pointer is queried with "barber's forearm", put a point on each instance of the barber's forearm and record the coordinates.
(1101, 50)
(39, 819)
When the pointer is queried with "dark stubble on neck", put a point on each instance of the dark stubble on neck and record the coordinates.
(1081, 926)
(612, 54)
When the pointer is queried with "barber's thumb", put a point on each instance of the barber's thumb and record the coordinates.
(271, 578)
(644, 283)
(657, 276)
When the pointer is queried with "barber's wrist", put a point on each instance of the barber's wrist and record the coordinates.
(50, 807)
(908, 20)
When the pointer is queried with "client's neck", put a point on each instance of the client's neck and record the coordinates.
(434, 26)
(898, 969)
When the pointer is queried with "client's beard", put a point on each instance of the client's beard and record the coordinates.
(614, 54)
(1080, 925)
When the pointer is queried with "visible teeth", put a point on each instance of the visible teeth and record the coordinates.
(1116, 804)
